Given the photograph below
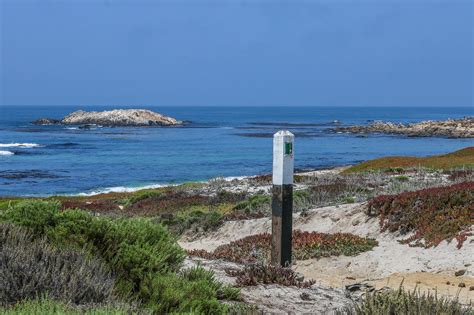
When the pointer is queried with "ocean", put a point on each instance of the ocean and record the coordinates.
(217, 142)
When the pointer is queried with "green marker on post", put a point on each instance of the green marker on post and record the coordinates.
(288, 148)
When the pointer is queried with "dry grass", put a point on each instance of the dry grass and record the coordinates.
(407, 303)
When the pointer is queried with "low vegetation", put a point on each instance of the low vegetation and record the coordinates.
(403, 302)
(30, 268)
(199, 207)
(430, 215)
(46, 305)
(142, 256)
(257, 248)
(116, 253)
(255, 274)
(460, 159)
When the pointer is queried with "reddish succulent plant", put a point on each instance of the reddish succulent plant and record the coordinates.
(432, 215)
(257, 248)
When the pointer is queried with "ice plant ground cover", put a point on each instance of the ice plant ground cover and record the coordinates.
(459, 159)
(254, 274)
(430, 215)
(257, 248)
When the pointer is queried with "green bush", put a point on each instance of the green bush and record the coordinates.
(255, 207)
(50, 306)
(143, 255)
(254, 203)
(132, 247)
(137, 247)
(198, 273)
(196, 219)
(37, 215)
(401, 178)
(30, 268)
(142, 195)
(5, 203)
(194, 290)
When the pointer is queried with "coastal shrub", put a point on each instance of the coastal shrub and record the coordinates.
(131, 247)
(431, 215)
(46, 305)
(168, 202)
(259, 273)
(195, 290)
(257, 248)
(407, 303)
(256, 203)
(194, 220)
(143, 255)
(227, 197)
(402, 178)
(254, 207)
(142, 195)
(36, 215)
(7, 202)
(331, 190)
(259, 206)
(137, 247)
(30, 268)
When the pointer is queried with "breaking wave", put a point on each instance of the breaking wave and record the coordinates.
(19, 145)
(121, 189)
(6, 153)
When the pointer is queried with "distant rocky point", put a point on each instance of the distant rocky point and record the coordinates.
(452, 128)
(116, 117)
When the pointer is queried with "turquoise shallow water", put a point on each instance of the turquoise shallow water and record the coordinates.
(218, 141)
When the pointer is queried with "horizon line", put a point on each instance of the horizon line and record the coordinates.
(233, 106)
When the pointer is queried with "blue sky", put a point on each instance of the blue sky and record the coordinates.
(240, 53)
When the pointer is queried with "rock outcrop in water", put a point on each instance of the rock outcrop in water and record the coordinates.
(46, 121)
(116, 117)
(452, 128)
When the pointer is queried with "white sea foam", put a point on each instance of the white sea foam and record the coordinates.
(6, 153)
(231, 178)
(122, 189)
(19, 145)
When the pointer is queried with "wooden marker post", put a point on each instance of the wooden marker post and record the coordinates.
(282, 199)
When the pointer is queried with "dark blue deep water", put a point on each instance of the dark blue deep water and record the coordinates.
(219, 141)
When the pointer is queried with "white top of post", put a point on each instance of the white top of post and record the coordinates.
(283, 158)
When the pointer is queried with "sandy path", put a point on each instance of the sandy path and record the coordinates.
(387, 264)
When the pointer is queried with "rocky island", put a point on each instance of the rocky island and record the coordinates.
(452, 128)
(114, 118)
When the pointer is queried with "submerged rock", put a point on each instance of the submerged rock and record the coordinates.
(116, 117)
(46, 121)
(452, 128)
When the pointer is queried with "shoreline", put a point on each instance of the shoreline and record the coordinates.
(133, 189)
